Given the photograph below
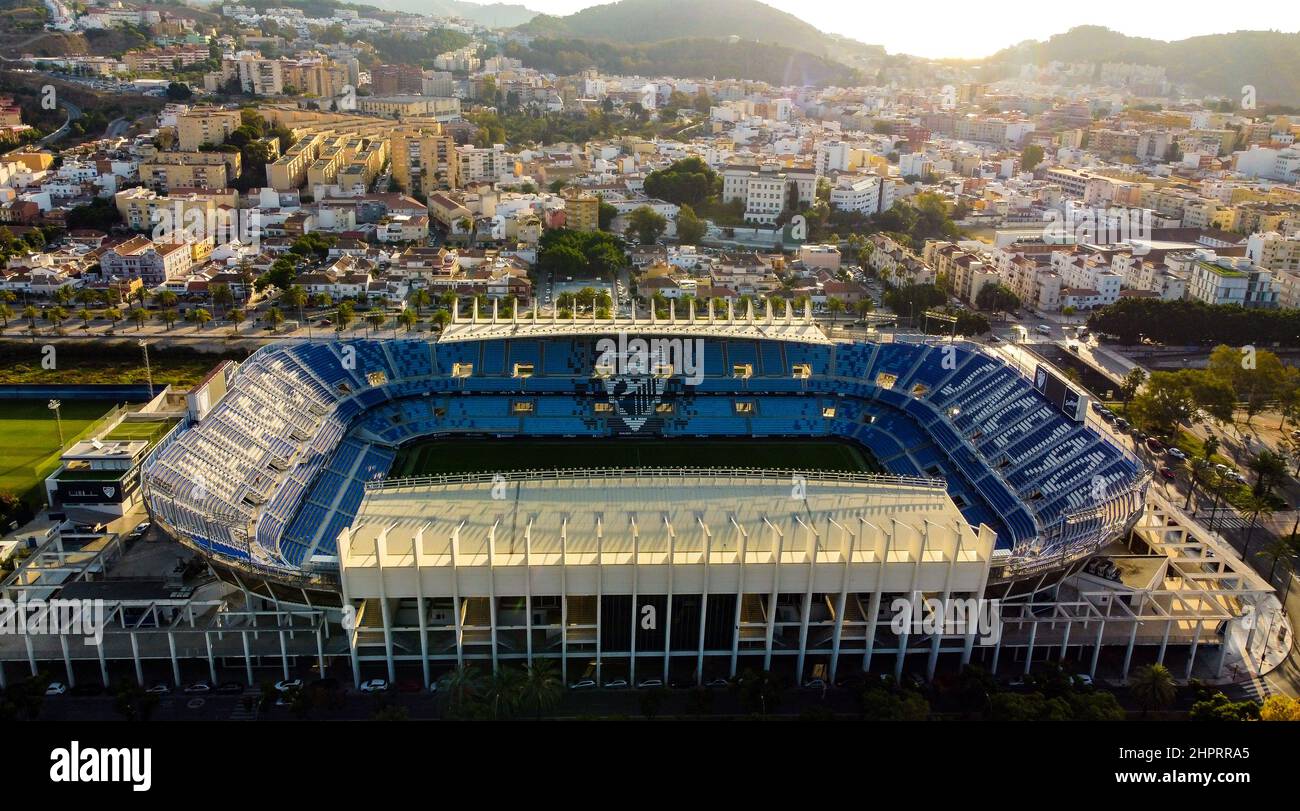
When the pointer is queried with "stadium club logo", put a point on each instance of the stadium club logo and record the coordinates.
(950, 617)
(635, 372)
(84, 618)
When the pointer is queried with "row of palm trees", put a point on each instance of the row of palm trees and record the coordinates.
(508, 693)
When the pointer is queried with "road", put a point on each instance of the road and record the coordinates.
(74, 112)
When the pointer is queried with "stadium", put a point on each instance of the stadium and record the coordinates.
(523, 485)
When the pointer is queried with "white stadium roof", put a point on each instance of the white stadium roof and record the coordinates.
(616, 511)
(785, 326)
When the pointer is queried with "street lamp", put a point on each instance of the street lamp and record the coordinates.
(148, 372)
(54, 406)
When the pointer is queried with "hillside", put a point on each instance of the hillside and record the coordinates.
(686, 58)
(1217, 63)
(492, 15)
(644, 21)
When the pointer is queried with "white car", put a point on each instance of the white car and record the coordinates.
(1176, 454)
(160, 689)
(646, 684)
(56, 688)
(583, 684)
(288, 684)
(374, 686)
(616, 684)
(1083, 679)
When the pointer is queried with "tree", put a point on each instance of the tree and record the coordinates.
(179, 91)
(1030, 157)
(222, 296)
(835, 306)
(275, 317)
(1153, 687)
(407, 318)
(1279, 551)
(1280, 708)
(997, 298)
(1256, 506)
(139, 315)
(345, 314)
(461, 687)
(201, 317)
(690, 228)
(375, 318)
(503, 692)
(1221, 708)
(1269, 468)
(541, 688)
(647, 224)
(1129, 386)
(689, 181)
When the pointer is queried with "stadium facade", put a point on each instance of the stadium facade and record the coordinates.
(281, 482)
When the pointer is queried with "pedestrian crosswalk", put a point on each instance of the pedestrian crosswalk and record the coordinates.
(246, 708)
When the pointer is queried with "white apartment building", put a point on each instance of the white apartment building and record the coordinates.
(1217, 279)
(1088, 277)
(1272, 251)
(485, 164)
(765, 191)
(866, 194)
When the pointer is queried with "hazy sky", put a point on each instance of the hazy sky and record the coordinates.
(939, 28)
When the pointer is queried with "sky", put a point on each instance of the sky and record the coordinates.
(963, 29)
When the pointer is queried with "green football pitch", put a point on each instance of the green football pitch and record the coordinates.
(29, 440)
(473, 455)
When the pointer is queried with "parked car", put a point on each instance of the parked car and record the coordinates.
(583, 684)
(288, 684)
(56, 688)
(1167, 473)
(374, 686)
(1177, 454)
(198, 687)
(815, 684)
(647, 684)
(616, 684)
(160, 689)
(228, 687)
(1154, 445)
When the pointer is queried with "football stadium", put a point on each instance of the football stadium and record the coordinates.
(698, 489)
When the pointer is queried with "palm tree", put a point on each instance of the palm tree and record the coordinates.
(139, 315)
(541, 689)
(504, 692)
(1268, 467)
(1254, 506)
(6, 312)
(30, 313)
(113, 314)
(222, 297)
(376, 318)
(1153, 686)
(1279, 550)
(275, 317)
(407, 318)
(836, 306)
(461, 686)
(201, 317)
(421, 299)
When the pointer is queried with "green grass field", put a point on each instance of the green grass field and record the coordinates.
(438, 456)
(29, 441)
